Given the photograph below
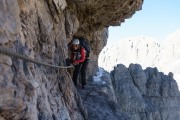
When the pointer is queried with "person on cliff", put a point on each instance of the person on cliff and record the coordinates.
(79, 57)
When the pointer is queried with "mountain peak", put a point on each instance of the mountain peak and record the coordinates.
(145, 51)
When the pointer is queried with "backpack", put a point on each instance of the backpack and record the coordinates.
(85, 44)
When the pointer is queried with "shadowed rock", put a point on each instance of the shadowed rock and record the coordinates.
(146, 94)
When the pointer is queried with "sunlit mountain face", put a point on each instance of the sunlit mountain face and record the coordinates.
(146, 52)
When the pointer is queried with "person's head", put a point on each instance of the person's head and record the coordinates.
(75, 44)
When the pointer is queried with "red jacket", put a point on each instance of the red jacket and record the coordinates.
(78, 56)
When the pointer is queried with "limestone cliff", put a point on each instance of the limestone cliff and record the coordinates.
(41, 29)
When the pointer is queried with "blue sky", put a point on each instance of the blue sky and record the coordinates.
(157, 19)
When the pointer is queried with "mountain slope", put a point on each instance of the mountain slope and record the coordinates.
(141, 50)
(145, 51)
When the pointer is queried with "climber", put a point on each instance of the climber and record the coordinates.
(79, 57)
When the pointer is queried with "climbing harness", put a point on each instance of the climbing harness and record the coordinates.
(9, 52)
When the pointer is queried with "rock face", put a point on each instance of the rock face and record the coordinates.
(146, 95)
(99, 99)
(132, 94)
(41, 29)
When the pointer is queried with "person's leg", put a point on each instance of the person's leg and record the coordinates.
(76, 74)
(83, 73)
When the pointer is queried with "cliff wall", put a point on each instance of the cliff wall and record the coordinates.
(146, 94)
(41, 30)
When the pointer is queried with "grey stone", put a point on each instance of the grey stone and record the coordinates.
(139, 77)
(129, 97)
(100, 100)
(152, 96)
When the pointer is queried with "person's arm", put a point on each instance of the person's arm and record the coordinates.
(82, 57)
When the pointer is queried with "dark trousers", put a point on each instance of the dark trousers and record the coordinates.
(80, 68)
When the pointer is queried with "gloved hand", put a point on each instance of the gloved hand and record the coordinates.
(75, 63)
(68, 62)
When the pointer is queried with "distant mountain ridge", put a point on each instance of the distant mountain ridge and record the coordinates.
(145, 51)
